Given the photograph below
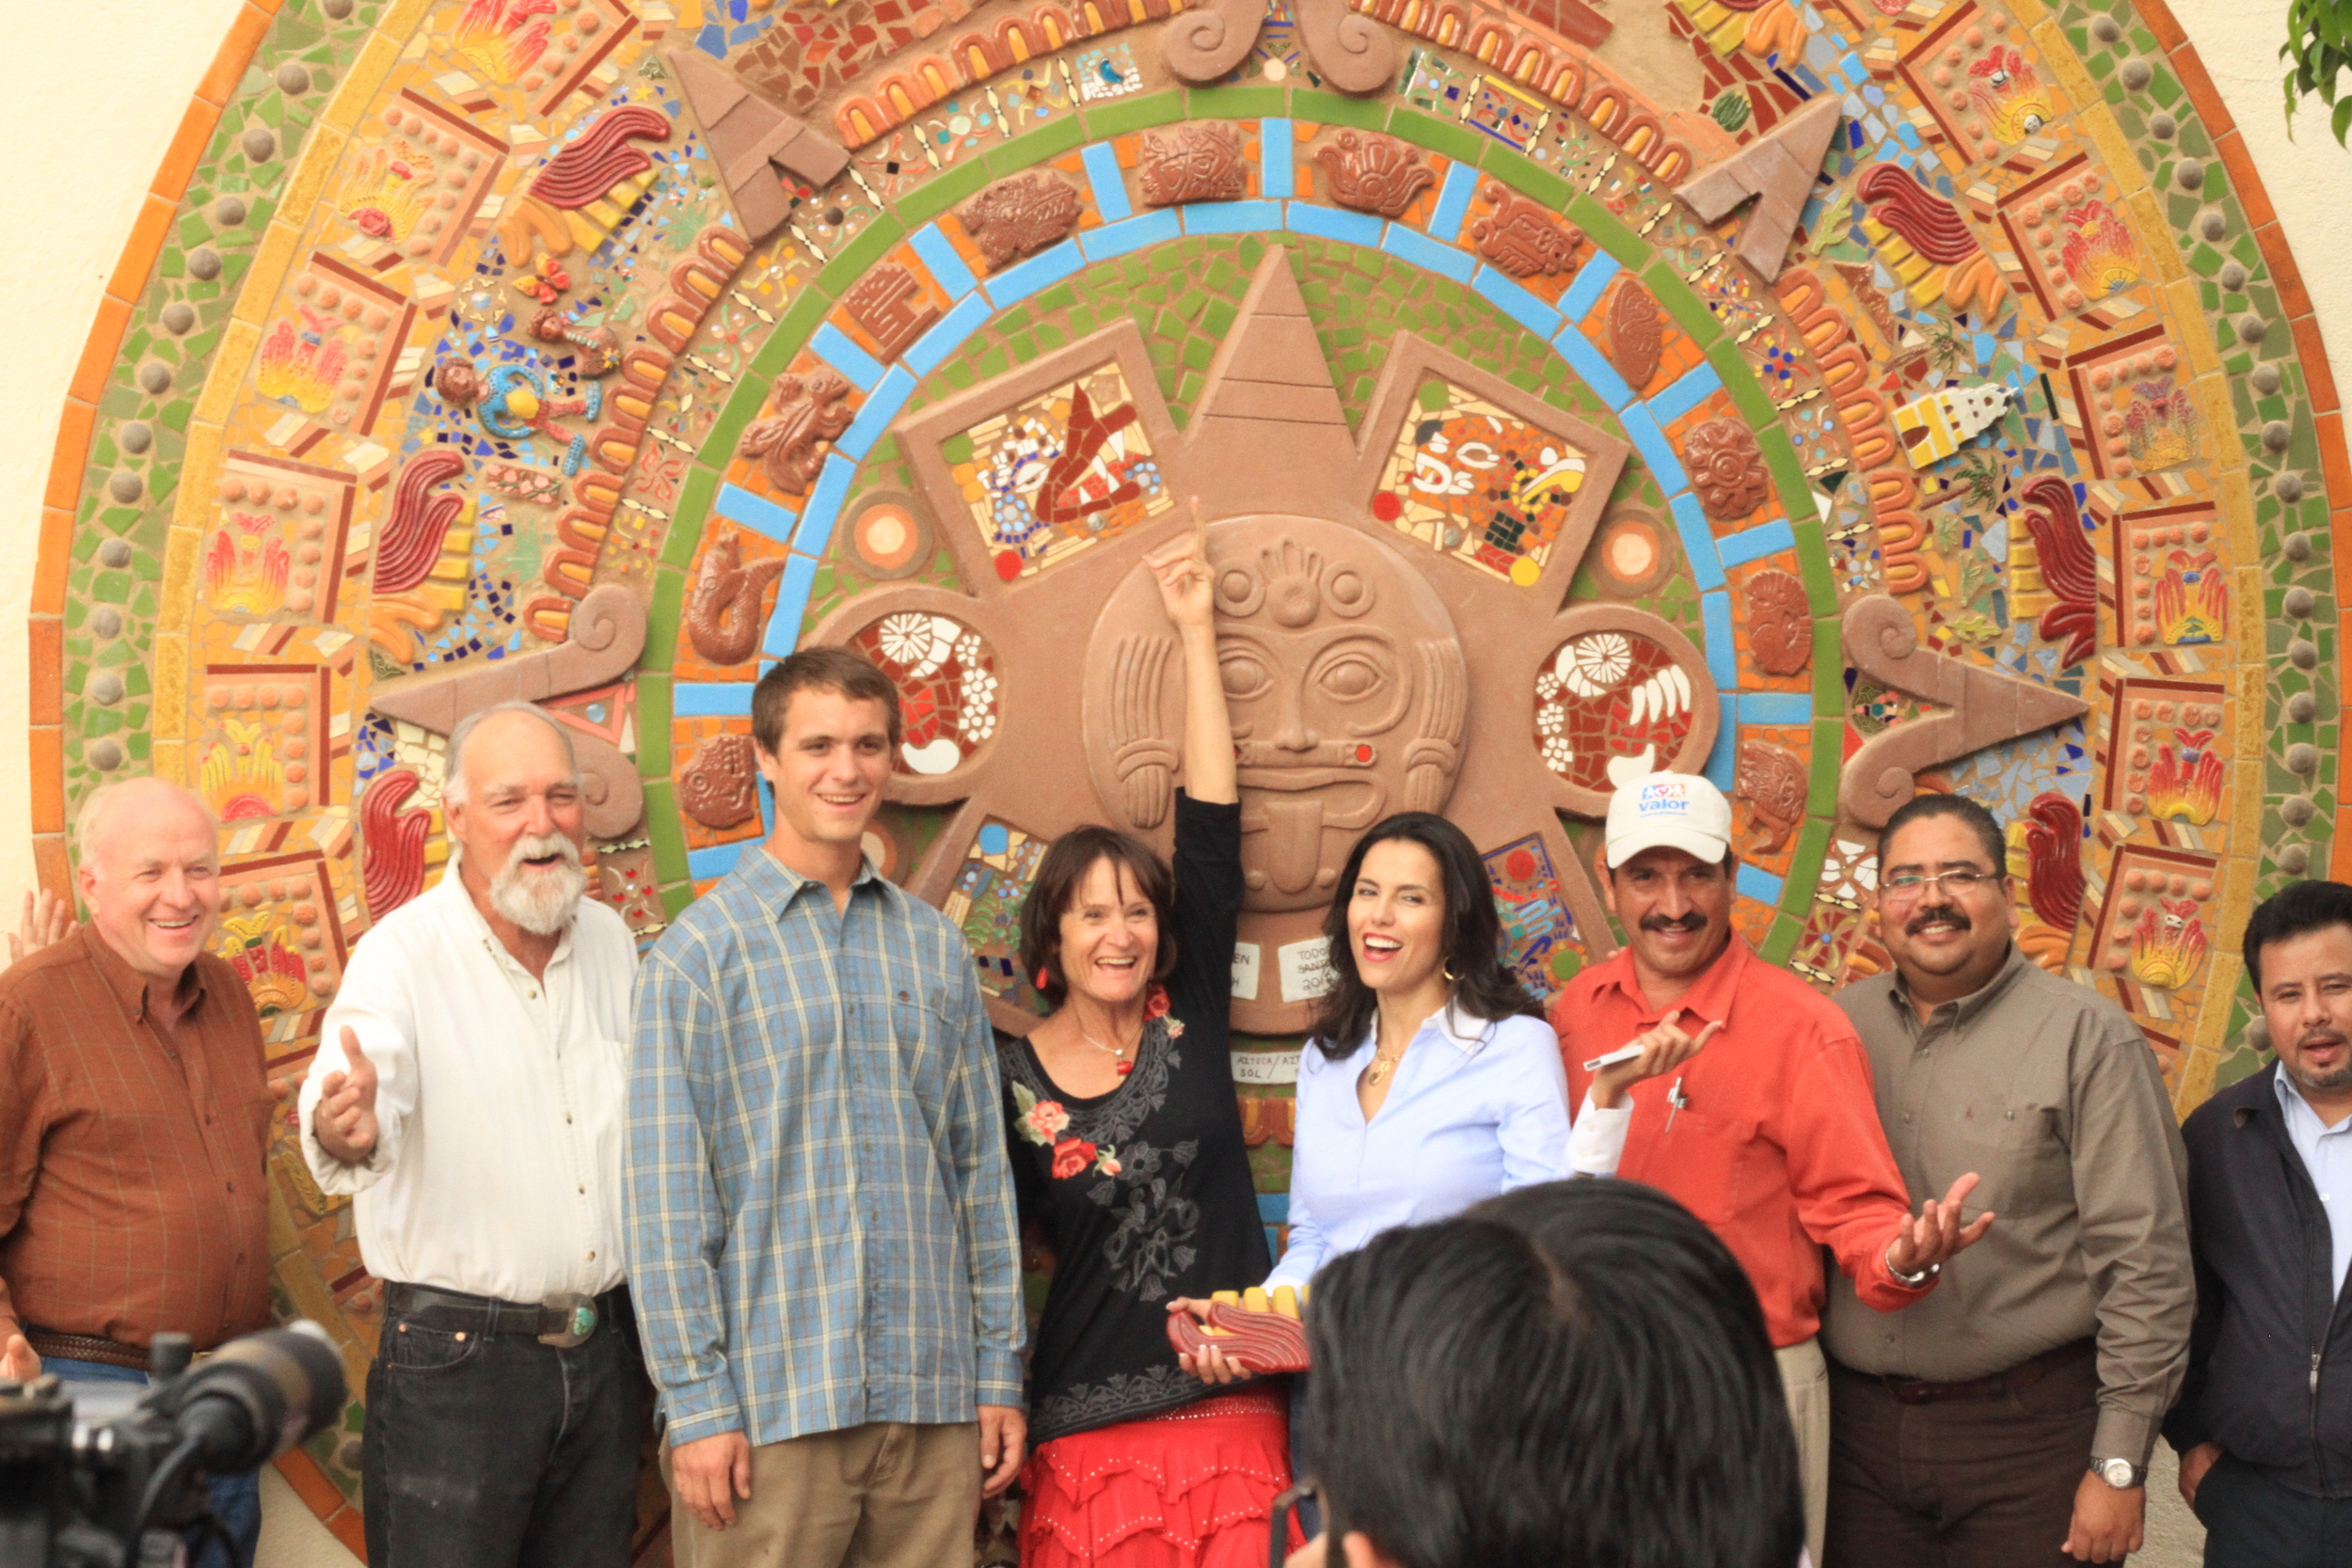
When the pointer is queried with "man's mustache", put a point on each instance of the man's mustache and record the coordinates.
(1674, 923)
(1944, 915)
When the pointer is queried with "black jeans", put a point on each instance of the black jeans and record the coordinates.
(500, 1451)
(2255, 1521)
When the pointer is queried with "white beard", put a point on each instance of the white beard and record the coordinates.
(539, 901)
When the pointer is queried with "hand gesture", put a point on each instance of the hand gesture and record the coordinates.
(1937, 1234)
(1211, 1365)
(1187, 582)
(1663, 1049)
(47, 919)
(18, 1359)
(345, 1117)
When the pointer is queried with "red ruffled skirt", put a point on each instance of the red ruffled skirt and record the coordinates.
(1190, 1489)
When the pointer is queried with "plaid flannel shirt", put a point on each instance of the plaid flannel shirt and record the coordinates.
(818, 1203)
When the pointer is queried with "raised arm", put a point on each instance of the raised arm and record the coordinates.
(1187, 594)
(366, 1064)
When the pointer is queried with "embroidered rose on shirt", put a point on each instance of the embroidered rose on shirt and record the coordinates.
(1071, 1156)
(1156, 1005)
(1042, 1121)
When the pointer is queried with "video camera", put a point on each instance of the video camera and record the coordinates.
(111, 1475)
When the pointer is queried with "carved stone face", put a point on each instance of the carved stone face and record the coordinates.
(1344, 679)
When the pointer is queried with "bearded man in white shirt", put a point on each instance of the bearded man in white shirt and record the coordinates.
(470, 1090)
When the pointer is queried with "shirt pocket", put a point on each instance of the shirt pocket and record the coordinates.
(924, 1038)
(1703, 1161)
(2014, 1146)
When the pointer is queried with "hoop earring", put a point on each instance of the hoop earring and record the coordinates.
(1452, 978)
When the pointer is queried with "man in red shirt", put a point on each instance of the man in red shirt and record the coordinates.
(1747, 1097)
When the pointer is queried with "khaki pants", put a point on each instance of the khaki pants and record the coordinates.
(1804, 1383)
(886, 1495)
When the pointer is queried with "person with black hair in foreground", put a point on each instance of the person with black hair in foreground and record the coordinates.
(2264, 1425)
(1568, 1374)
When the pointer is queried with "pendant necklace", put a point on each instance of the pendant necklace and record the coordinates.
(1118, 1053)
(1382, 1067)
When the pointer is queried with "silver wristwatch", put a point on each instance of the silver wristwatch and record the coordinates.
(1914, 1280)
(2122, 1474)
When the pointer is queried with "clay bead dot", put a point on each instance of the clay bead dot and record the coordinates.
(2276, 434)
(2250, 328)
(105, 755)
(2231, 278)
(2301, 707)
(2295, 860)
(2213, 226)
(294, 723)
(115, 553)
(2191, 174)
(2106, 29)
(2134, 73)
(178, 317)
(135, 437)
(2163, 127)
(2257, 1033)
(2287, 487)
(2303, 653)
(124, 486)
(2298, 546)
(336, 9)
(292, 79)
(2296, 810)
(2298, 603)
(104, 688)
(230, 209)
(204, 264)
(259, 144)
(2265, 379)
(155, 378)
(107, 621)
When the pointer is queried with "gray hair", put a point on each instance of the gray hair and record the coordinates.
(99, 802)
(454, 761)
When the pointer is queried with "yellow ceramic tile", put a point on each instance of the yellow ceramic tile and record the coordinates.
(310, 177)
(2212, 399)
(2058, 57)
(366, 76)
(2156, 240)
(181, 551)
(2116, 159)
(2245, 790)
(169, 720)
(167, 759)
(2237, 499)
(239, 340)
(199, 469)
(268, 273)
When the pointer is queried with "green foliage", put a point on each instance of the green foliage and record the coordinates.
(2318, 49)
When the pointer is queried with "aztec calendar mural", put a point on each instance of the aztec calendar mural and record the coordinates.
(1836, 398)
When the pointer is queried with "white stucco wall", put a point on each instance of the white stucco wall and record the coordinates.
(107, 81)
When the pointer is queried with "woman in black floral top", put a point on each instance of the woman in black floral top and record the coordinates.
(1128, 1157)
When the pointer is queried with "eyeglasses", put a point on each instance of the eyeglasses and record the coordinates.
(1278, 1535)
(1905, 886)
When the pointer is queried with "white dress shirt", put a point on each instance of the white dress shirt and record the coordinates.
(1477, 1108)
(501, 1100)
(2327, 1154)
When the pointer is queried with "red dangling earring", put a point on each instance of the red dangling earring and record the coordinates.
(1042, 979)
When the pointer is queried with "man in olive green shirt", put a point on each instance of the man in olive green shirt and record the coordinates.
(2007, 1417)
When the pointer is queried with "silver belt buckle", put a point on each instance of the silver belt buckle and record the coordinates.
(580, 1315)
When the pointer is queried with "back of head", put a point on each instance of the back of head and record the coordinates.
(1572, 1374)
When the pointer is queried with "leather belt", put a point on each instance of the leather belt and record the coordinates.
(563, 1324)
(2024, 1376)
(86, 1347)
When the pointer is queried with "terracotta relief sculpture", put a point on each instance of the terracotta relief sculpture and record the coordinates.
(720, 787)
(391, 842)
(1349, 52)
(1772, 782)
(2054, 858)
(761, 151)
(2070, 568)
(1780, 623)
(1200, 161)
(1777, 171)
(1635, 340)
(410, 541)
(607, 633)
(809, 414)
(1727, 468)
(1373, 173)
(723, 607)
(888, 303)
(1019, 214)
(1987, 707)
(1522, 238)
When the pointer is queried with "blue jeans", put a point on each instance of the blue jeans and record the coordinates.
(236, 1499)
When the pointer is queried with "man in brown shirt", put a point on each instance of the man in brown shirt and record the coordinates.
(2006, 1418)
(134, 1116)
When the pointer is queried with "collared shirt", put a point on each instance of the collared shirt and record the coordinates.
(821, 1214)
(1768, 1134)
(2327, 1154)
(132, 1194)
(2050, 1094)
(499, 1100)
(1478, 1107)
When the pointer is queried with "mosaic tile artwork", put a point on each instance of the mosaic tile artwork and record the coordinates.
(1058, 472)
(1468, 479)
(443, 324)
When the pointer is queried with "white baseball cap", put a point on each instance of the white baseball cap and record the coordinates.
(1678, 811)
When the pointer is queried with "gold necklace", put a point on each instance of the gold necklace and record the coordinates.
(1382, 1067)
(1117, 1053)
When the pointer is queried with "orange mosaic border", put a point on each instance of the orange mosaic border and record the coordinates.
(69, 458)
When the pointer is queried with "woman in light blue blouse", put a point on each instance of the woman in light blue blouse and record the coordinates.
(1430, 1080)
